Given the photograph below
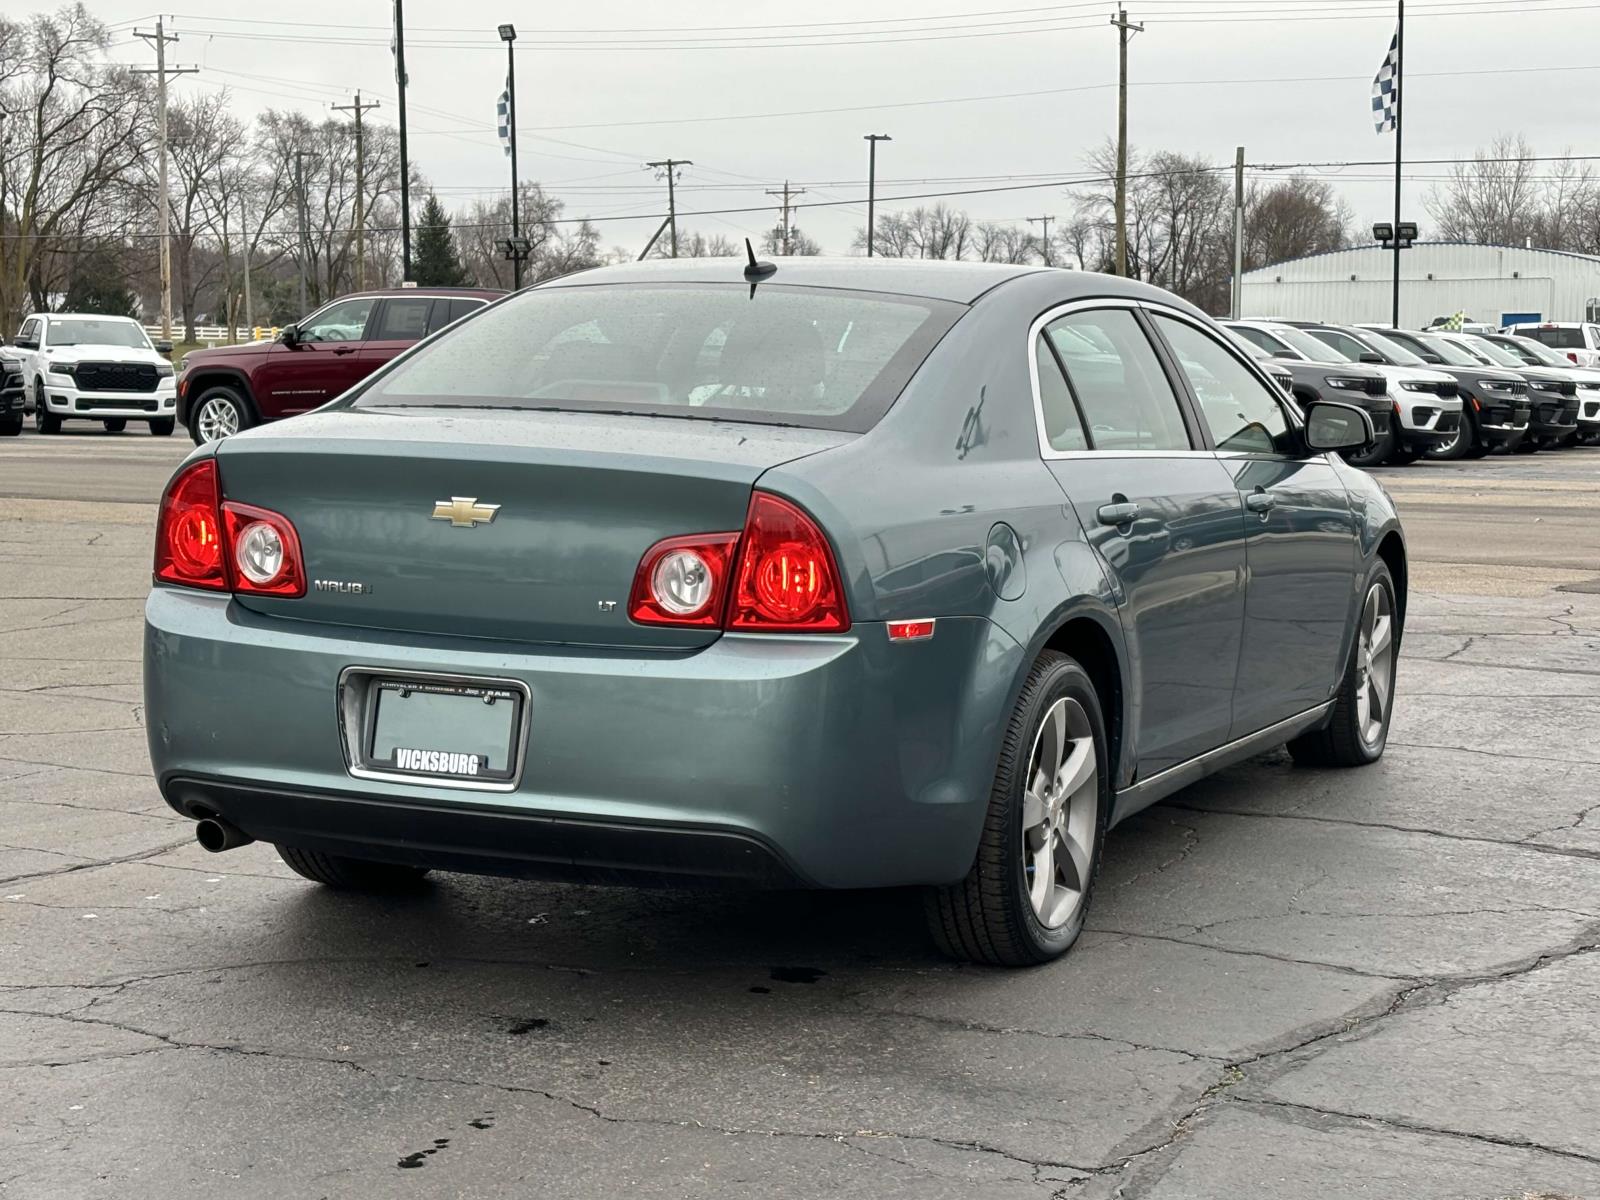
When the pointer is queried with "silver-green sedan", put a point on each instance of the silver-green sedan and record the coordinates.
(851, 573)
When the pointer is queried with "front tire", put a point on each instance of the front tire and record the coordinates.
(1027, 894)
(115, 424)
(1358, 728)
(163, 426)
(44, 421)
(1462, 443)
(351, 874)
(218, 412)
(11, 427)
(1376, 454)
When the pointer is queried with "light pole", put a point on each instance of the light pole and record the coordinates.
(508, 35)
(872, 140)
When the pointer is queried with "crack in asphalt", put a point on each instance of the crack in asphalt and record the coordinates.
(99, 862)
(1522, 843)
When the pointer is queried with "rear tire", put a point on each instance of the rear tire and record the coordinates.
(1356, 735)
(1026, 896)
(163, 426)
(351, 874)
(115, 424)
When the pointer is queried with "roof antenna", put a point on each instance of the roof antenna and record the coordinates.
(755, 269)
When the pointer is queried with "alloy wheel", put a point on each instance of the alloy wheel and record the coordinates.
(1375, 664)
(217, 419)
(1060, 813)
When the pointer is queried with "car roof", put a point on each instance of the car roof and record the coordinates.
(384, 293)
(72, 316)
(962, 282)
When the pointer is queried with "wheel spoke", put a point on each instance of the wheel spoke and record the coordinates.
(1078, 769)
(1074, 860)
(1033, 810)
(1380, 635)
(1375, 706)
(1044, 877)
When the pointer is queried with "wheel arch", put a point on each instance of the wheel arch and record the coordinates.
(1090, 633)
(1392, 550)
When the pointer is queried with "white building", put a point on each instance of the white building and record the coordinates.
(1495, 284)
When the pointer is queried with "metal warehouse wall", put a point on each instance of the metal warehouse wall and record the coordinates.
(1488, 283)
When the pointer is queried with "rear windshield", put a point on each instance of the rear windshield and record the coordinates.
(818, 358)
(1570, 338)
(98, 333)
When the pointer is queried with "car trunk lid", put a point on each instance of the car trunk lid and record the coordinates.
(577, 499)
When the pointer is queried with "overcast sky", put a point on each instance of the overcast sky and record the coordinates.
(1287, 87)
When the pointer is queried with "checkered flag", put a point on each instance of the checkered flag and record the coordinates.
(502, 110)
(1386, 88)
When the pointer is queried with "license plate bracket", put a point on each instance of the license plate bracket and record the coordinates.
(449, 731)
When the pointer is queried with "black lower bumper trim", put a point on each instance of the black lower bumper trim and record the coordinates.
(485, 840)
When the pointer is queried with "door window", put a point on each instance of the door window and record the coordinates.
(29, 332)
(1063, 427)
(341, 322)
(404, 320)
(1238, 408)
(1117, 379)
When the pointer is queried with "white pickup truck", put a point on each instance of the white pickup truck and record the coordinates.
(79, 366)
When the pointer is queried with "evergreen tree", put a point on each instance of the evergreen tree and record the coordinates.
(435, 263)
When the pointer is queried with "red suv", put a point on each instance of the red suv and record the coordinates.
(229, 388)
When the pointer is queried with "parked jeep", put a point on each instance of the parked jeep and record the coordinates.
(229, 388)
(13, 393)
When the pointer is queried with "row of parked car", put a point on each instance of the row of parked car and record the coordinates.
(1435, 394)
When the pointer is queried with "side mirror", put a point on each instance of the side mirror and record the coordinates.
(1367, 356)
(1334, 426)
(1431, 357)
(26, 344)
(289, 335)
(164, 346)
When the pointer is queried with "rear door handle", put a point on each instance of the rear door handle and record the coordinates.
(1117, 514)
(1259, 501)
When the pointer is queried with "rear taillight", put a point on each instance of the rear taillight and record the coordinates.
(786, 577)
(684, 581)
(205, 542)
(778, 575)
(189, 531)
(263, 551)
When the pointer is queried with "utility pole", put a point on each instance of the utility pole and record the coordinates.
(1044, 235)
(670, 166)
(1125, 30)
(785, 246)
(244, 232)
(1236, 307)
(304, 223)
(358, 109)
(1399, 103)
(159, 40)
(508, 35)
(401, 80)
(872, 140)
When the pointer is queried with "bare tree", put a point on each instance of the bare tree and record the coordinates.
(773, 242)
(1291, 218)
(75, 127)
(1495, 198)
(993, 242)
(697, 245)
(937, 232)
(557, 246)
(206, 144)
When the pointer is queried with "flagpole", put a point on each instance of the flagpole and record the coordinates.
(1399, 109)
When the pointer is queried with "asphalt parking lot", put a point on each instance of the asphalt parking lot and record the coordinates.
(1296, 983)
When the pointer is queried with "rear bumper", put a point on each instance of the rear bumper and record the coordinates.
(831, 761)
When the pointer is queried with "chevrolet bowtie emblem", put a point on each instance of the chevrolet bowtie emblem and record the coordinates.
(463, 512)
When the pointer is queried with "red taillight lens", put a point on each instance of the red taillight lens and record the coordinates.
(786, 578)
(205, 542)
(684, 580)
(189, 546)
(263, 551)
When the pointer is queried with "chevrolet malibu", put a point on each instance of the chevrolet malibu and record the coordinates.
(837, 574)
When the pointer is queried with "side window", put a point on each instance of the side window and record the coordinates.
(29, 332)
(460, 308)
(404, 319)
(1063, 428)
(341, 322)
(1240, 411)
(1118, 381)
(1342, 342)
(1265, 340)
